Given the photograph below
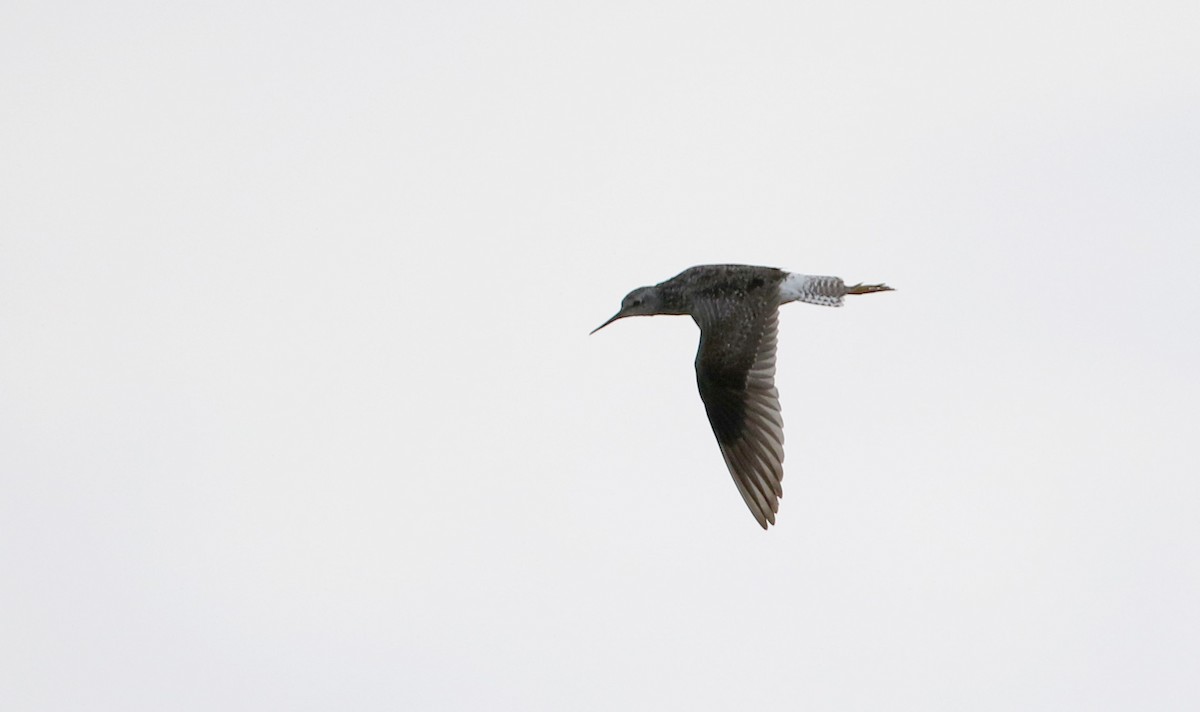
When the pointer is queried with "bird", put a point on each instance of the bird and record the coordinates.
(737, 310)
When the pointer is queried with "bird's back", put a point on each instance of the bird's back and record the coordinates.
(717, 289)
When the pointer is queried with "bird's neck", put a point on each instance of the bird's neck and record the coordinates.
(673, 300)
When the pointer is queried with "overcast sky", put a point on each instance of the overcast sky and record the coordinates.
(299, 410)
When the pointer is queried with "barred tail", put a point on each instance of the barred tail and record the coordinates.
(826, 291)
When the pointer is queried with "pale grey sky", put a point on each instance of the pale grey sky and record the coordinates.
(298, 410)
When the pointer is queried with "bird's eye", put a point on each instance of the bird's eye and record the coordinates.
(636, 303)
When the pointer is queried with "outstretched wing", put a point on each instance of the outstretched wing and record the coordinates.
(735, 370)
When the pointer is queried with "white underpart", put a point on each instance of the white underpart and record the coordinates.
(826, 291)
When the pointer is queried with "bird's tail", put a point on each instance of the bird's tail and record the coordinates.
(826, 291)
(861, 288)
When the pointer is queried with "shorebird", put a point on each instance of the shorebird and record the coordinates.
(737, 310)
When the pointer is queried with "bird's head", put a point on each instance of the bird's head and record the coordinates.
(642, 301)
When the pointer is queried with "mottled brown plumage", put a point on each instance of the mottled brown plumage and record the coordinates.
(737, 309)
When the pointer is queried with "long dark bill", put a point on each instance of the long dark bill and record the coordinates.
(616, 316)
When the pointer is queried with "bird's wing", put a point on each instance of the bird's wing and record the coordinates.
(735, 369)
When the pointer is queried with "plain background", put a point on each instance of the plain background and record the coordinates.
(298, 409)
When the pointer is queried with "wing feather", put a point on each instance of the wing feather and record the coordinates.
(735, 370)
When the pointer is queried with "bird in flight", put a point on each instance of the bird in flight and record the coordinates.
(737, 310)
